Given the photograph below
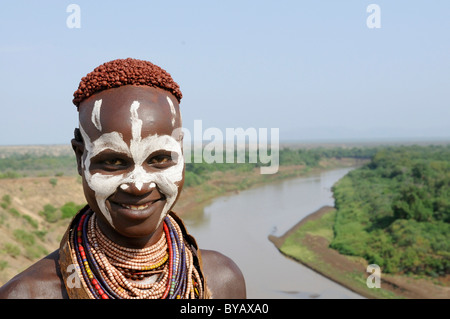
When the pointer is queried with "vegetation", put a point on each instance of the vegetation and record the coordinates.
(50, 213)
(395, 211)
(69, 209)
(29, 235)
(21, 165)
(197, 173)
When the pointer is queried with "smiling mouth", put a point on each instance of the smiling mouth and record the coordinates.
(136, 207)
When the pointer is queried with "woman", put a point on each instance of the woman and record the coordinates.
(127, 242)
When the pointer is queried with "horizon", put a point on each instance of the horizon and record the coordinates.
(299, 142)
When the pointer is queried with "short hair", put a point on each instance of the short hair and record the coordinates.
(121, 72)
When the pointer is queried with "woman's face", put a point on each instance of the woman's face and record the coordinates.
(132, 164)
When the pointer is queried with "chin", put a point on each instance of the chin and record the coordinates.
(137, 223)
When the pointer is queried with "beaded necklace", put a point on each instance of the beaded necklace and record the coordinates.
(164, 270)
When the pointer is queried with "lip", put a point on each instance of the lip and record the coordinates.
(136, 211)
(136, 207)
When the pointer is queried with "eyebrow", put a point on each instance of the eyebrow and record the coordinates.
(112, 141)
(110, 152)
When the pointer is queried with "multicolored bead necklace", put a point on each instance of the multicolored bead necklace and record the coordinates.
(163, 270)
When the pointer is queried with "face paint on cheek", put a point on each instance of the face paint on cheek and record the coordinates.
(169, 188)
(103, 185)
(165, 180)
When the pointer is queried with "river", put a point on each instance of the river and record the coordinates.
(238, 226)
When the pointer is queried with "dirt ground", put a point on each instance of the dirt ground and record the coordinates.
(402, 286)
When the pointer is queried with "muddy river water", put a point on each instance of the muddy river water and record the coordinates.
(239, 225)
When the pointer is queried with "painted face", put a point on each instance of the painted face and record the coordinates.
(132, 166)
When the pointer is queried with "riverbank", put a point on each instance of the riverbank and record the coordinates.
(308, 241)
(193, 199)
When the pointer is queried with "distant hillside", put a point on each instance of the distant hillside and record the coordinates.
(36, 150)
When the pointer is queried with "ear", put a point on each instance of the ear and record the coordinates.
(78, 148)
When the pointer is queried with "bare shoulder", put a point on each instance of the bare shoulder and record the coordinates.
(41, 280)
(223, 277)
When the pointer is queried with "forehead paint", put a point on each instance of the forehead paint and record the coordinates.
(104, 185)
(136, 123)
(172, 110)
(95, 116)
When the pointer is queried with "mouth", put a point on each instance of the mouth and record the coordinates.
(137, 211)
(136, 207)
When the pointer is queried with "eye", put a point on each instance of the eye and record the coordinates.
(114, 162)
(160, 159)
(110, 161)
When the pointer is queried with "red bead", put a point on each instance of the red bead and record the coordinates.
(94, 281)
(100, 292)
(80, 248)
(97, 287)
(105, 296)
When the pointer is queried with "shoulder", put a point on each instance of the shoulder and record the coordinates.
(223, 276)
(41, 280)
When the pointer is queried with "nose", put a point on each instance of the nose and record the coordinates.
(138, 188)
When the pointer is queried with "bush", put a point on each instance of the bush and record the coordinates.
(53, 181)
(70, 209)
(14, 212)
(6, 199)
(23, 237)
(34, 223)
(3, 264)
(50, 213)
(11, 249)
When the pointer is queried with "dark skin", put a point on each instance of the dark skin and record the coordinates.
(43, 279)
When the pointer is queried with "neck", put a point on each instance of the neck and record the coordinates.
(138, 242)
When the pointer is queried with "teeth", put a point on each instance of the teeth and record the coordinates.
(135, 207)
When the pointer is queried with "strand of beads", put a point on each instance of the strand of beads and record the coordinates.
(121, 286)
(142, 260)
(88, 278)
(104, 265)
(178, 285)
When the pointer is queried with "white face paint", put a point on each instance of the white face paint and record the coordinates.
(172, 110)
(104, 185)
(95, 116)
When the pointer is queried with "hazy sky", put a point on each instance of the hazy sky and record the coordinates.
(313, 69)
